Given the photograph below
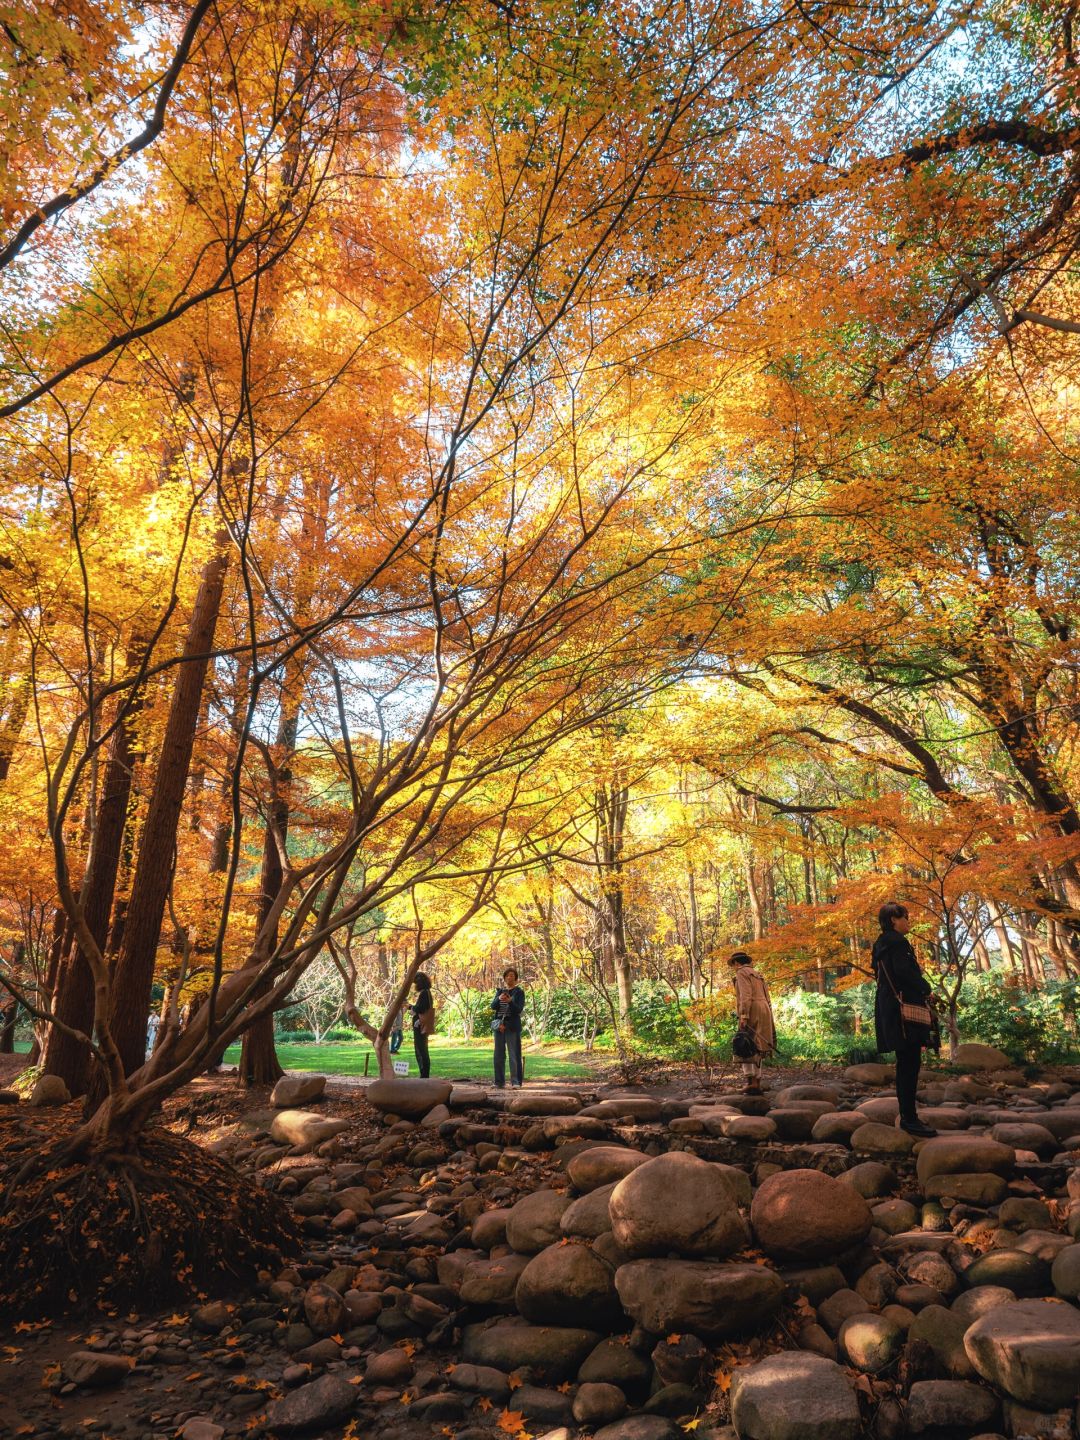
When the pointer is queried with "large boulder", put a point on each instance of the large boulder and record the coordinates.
(1031, 1350)
(975, 1056)
(962, 1154)
(794, 1396)
(715, 1301)
(315, 1406)
(539, 1102)
(293, 1090)
(550, 1350)
(870, 1073)
(95, 1368)
(602, 1165)
(805, 1215)
(676, 1202)
(568, 1285)
(533, 1223)
(304, 1127)
(49, 1090)
(409, 1096)
(492, 1282)
(951, 1405)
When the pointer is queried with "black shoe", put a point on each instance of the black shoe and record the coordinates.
(917, 1128)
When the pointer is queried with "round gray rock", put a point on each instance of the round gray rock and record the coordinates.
(568, 1284)
(555, 1352)
(794, 1396)
(805, 1215)
(715, 1301)
(950, 1405)
(588, 1216)
(408, 1096)
(1031, 1350)
(322, 1403)
(676, 1202)
(534, 1222)
(962, 1154)
(603, 1165)
(293, 1090)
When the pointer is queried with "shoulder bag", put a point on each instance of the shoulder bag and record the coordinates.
(917, 1014)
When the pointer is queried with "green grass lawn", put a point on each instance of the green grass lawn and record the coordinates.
(448, 1057)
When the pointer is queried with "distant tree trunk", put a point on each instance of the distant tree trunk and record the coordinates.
(754, 895)
(133, 970)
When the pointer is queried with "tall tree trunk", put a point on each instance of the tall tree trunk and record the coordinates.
(133, 971)
(74, 995)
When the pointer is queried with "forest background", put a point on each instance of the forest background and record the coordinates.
(581, 487)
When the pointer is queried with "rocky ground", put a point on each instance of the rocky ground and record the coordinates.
(626, 1263)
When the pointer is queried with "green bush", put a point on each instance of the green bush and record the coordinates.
(1039, 1026)
(305, 1037)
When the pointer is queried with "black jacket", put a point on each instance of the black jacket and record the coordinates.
(894, 960)
(508, 1012)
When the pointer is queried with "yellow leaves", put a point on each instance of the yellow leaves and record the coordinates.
(565, 1387)
(406, 1397)
(722, 1380)
(691, 1424)
(30, 1327)
(515, 1382)
(408, 1347)
(484, 1404)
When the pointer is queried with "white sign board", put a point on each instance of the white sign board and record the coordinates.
(401, 1067)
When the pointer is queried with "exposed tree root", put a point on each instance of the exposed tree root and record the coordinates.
(166, 1219)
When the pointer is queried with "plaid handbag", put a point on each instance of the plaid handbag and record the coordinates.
(918, 1014)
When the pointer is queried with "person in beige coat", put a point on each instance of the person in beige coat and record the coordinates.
(754, 1011)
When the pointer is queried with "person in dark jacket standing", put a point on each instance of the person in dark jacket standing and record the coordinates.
(508, 1004)
(423, 1023)
(901, 982)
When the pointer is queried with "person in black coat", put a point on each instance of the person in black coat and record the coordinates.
(423, 1024)
(901, 981)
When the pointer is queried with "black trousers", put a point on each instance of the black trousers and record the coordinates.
(423, 1059)
(908, 1065)
(507, 1042)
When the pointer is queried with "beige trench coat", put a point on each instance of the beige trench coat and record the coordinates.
(755, 1008)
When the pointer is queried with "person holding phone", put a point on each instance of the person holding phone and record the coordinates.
(507, 1005)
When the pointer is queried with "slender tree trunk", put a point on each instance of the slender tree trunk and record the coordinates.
(133, 971)
(754, 895)
(10, 1014)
